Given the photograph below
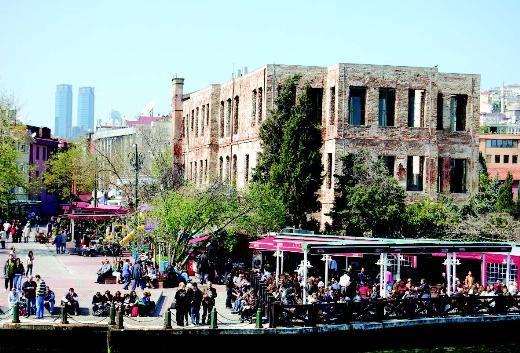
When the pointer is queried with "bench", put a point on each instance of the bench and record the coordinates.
(110, 280)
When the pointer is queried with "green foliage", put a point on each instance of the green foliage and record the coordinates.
(70, 172)
(291, 157)
(218, 209)
(504, 202)
(430, 219)
(367, 198)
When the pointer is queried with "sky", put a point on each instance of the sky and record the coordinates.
(129, 50)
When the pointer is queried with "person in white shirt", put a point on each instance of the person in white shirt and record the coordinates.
(344, 282)
(7, 225)
(3, 238)
(14, 297)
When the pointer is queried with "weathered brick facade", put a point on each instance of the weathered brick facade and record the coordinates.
(389, 110)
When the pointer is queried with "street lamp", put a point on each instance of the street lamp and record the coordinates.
(136, 162)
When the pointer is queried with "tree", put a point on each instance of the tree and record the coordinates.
(272, 130)
(367, 199)
(505, 202)
(291, 157)
(70, 172)
(188, 211)
(12, 133)
(430, 219)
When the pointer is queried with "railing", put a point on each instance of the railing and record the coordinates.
(391, 309)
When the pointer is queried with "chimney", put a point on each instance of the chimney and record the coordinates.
(177, 121)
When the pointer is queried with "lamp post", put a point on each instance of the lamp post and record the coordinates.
(136, 162)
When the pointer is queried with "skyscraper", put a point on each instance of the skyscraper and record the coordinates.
(86, 109)
(63, 111)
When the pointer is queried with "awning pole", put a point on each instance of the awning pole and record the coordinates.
(277, 254)
(304, 276)
(326, 270)
(454, 263)
(508, 271)
(382, 275)
(72, 229)
(281, 263)
(346, 263)
(448, 273)
(398, 277)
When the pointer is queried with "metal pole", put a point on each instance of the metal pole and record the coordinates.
(508, 270)
(276, 253)
(454, 277)
(95, 183)
(281, 263)
(385, 269)
(136, 176)
(381, 276)
(398, 267)
(448, 273)
(72, 228)
(304, 276)
(326, 270)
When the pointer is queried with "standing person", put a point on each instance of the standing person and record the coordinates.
(136, 272)
(229, 290)
(196, 302)
(40, 297)
(3, 237)
(30, 263)
(29, 290)
(203, 268)
(9, 273)
(208, 302)
(63, 243)
(26, 231)
(181, 298)
(126, 273)
(19, 272)
(57, 242)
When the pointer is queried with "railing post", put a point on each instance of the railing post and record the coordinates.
(380, 309)
(120, 323)
(312, 313)
(410, 307)
(213, 319)
(273, 308)
(112, 320)
(167, 319)
(64, 319)
(16, 313)
(259, 318)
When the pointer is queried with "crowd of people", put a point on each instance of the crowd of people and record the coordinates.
(130, 303)
(189, 299)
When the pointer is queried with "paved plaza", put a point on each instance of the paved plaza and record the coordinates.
(63, 271)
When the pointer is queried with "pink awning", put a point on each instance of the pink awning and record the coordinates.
(289, 245)
(95, 217)
(198, 240)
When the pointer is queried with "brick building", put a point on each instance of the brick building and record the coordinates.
(423, 122)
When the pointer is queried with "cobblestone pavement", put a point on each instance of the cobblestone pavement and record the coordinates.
(63, 271)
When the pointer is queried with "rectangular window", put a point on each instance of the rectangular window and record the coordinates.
(502, 143)
(195, 172)
(415, 173)
(207, 114)
(356, 106)
(260, 102)
(202, 117)
(221, 118)
(458, 171)
(329, 170)
(253, 107)
(488, 158)
(206, 170)
(416, 98)
(246, 169)
(386, 107)
(228, 117)
(197, 122)
(498, 272)
(458, 104)
(316, 97)
(201, 171)
(406, 261)
(497, 158)
(440, 111)
(192, 119)
(235, 116)
(514, 159)
(332, 105)
(389, 163)
(221, 169)
(506, 158)
(440, 174)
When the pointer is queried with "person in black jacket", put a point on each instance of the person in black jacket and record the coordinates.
(181, 304)
(196, 302)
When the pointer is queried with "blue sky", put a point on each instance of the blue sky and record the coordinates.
(130, 50)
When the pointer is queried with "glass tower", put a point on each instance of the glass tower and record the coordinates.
(63, 111)
(86, 109)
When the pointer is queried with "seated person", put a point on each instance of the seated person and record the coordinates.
(22, 304)
(150, 275)
(104, 271)
(98, 305)
(49, 300)
(146, 305)
(118, 299)
(108, 297)
(129, 302)
(248, 307)
(71, 303)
